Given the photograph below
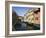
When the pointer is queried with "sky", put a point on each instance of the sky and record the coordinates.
(20, 11)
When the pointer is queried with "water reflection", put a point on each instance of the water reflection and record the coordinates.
(20, 26)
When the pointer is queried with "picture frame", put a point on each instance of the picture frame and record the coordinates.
(8, 19)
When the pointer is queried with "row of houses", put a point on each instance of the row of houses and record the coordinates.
(29, 17)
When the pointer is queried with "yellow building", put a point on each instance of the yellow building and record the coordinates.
(29, 17)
